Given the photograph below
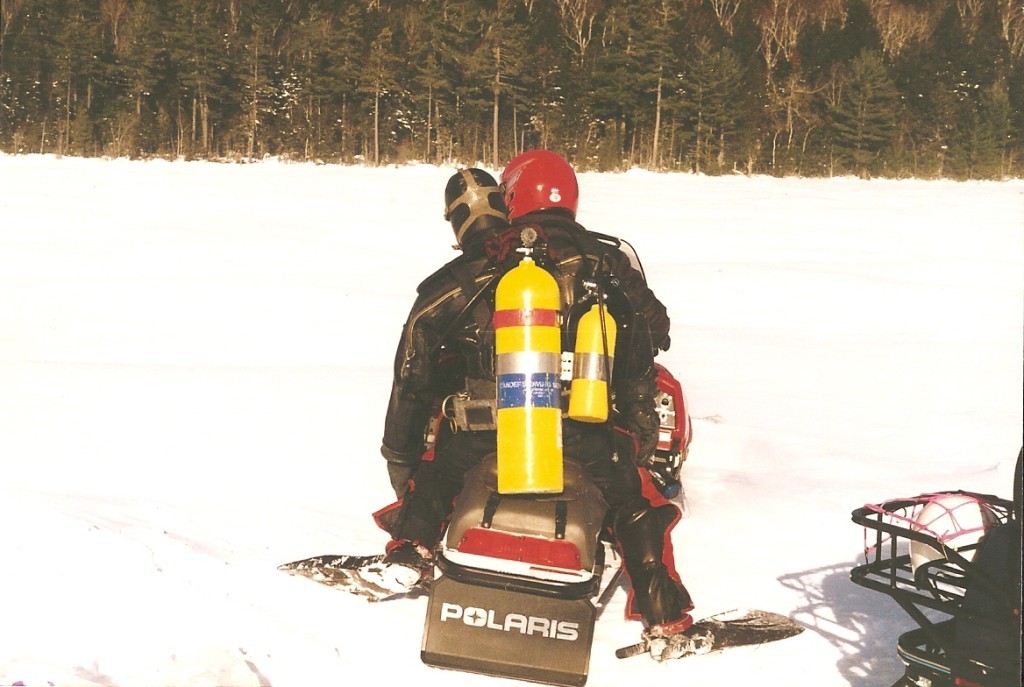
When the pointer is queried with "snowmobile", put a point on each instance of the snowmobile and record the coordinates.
(519, 579)
(951, 560)
(522, 578)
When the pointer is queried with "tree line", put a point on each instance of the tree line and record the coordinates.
(924, 88)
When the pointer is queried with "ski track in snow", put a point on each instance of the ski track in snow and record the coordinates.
(195, 360)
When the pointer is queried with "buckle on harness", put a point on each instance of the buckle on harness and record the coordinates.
(475, 414)
(475, 409)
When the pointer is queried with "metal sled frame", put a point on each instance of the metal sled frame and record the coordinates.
(939, 585)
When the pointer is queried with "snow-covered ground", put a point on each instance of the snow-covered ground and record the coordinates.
(195, 361)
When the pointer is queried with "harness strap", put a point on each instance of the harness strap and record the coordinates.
(478, 307)
(561, 518)
(490, 509)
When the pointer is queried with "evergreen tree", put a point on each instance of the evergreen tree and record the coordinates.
(711, 101)
(864, 116)
(579, 23)
(503, 42)
(544, 90)
(608, 83)
(489, 65)
(994, 128)
(623, 85)
(379, 80)
(31, 52)
(422, 30)
(346, 45)
(977, 64)
(80, 74)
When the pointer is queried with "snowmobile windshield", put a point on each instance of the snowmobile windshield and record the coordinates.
(625, 247)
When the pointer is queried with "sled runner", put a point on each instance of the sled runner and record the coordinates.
(728, 630)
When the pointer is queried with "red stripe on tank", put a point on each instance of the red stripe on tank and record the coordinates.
(534, 317)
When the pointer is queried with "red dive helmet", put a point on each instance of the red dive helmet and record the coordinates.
(539, 180)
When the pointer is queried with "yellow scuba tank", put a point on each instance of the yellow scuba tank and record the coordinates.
(592, 365)
(528, 347)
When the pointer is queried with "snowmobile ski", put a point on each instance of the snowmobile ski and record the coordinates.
(366, 576)
(727, 630)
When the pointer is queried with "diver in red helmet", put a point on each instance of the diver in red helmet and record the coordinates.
(541, 190)
(541, 187)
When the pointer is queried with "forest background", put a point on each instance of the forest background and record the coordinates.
(922, 88)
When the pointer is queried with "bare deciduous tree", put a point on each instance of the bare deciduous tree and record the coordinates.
(900, 23)
(1011, 12)
(970, 15)
(8, 10)
(113, 12)
(234, 14)
(726, 11)
(781, 22)
(578, 23)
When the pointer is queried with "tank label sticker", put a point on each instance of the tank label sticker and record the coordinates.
(536, 390)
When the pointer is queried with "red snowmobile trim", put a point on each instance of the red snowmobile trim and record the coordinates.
(385, 517)
(657, 499)
(964, 682)
(552, 553)
(682, 434)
